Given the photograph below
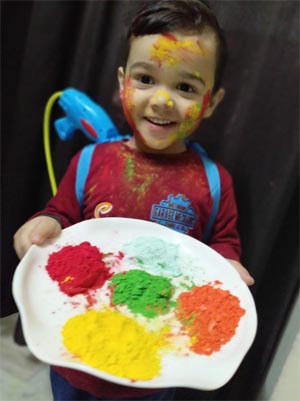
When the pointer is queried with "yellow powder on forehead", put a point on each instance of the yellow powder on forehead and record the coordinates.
(167, 49)
(114, 343)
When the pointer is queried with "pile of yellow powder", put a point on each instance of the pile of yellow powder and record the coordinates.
(114, 343)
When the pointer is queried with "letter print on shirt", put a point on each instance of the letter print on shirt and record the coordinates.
(175, 213)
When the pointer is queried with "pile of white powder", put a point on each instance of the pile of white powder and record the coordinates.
(154, 255)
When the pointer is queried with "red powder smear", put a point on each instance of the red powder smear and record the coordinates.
(170, 36)
(78, 268)
(205, 103)
(210, 316)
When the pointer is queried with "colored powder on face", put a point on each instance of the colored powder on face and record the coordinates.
(78, 269)
(193, 116)
(191, 119)
(127, 101)
(171, 51)
(210, 316)
(142, 292)
(154, 255)
(127, 93)
(114, 343)
(163, 93)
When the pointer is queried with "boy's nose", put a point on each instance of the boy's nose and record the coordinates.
(161, 98)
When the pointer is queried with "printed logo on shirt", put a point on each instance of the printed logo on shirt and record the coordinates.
(102, 208)
(175, 213)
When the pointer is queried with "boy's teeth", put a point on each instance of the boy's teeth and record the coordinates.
(158, 121)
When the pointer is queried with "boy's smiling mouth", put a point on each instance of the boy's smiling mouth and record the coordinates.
(160, 121)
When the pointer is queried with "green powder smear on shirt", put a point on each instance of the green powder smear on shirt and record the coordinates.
(142, 292)
(154, 255)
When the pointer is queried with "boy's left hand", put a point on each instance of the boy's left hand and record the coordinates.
(245, 275)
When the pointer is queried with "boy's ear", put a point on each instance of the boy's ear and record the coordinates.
(215, 99)
(121, 76)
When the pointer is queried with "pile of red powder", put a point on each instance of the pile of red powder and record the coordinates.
(78, 268)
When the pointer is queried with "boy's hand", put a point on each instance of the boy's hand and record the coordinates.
(36, 231)
(245, 276)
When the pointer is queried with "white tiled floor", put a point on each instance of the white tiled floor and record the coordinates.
(22, 376)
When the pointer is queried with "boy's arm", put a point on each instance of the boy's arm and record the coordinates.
(243, 272)
(64, 206)
(61, 211)
(225, 238)
(35, 231)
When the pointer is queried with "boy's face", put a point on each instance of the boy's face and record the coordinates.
(166, 88)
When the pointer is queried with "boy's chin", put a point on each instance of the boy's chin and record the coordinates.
(160, 146)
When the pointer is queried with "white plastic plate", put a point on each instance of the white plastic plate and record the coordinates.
(44, 309)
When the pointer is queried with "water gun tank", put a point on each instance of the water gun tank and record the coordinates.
(85, 115)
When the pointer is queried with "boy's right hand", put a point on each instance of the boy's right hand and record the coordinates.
(36, 231)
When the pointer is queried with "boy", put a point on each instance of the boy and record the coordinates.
(171, 81)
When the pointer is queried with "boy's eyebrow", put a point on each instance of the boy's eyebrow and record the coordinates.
(142, 64)
(193, 76)
(183, 74)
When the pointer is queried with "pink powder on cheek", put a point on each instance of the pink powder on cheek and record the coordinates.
(128, 106)
(205, 103)
(126, 97)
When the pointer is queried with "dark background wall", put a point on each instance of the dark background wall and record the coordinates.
(51, 45)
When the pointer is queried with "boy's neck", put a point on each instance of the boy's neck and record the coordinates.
(177, 147)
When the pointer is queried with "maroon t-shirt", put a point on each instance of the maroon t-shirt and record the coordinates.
(168, 189)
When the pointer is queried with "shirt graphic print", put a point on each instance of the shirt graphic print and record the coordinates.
(175, 212)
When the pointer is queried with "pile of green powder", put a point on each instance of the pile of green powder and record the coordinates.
(154, 255)
(142, 292)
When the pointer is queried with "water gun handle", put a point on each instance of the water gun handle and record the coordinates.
(64, 128)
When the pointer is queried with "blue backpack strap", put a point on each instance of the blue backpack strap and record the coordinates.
(83, 168)
(213, 178)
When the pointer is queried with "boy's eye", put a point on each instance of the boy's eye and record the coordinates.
(145, 79)
(185, 88)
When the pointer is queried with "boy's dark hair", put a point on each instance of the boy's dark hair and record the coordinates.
(164, 16)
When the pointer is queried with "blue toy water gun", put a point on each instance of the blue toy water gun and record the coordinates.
(85, 115)
(81, 114)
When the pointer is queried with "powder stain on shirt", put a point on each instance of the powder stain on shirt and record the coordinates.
(129, 167)
(142, 292)
(91, 190)
(156, 256)
(114, 343)
(142, 188)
